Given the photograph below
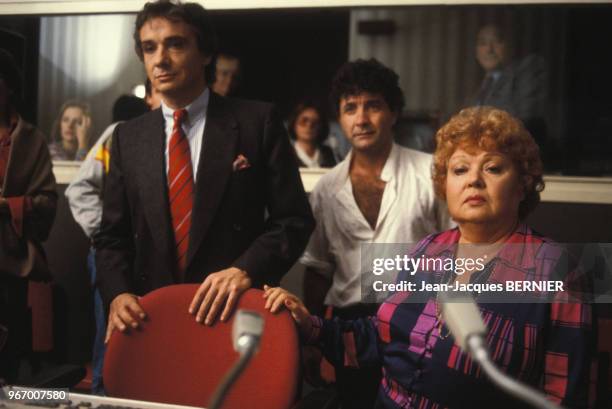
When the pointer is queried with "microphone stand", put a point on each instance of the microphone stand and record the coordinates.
(234, 373)
(246, 334)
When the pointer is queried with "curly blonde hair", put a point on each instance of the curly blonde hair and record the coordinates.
(490, 129)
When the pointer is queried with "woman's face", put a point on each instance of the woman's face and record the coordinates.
(482, 187)
(71, 117)
(307, 126)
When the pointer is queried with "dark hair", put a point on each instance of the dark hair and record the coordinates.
(356, 77)
(9, 72)
(297, 111)
(192, 14)
(211, 69)
(127, 107)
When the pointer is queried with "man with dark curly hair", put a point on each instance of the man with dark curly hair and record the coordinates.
(381, 193)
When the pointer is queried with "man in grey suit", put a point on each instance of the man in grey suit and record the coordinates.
(516, 85)
(190, 184)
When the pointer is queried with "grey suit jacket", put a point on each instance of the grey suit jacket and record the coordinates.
(520, 90)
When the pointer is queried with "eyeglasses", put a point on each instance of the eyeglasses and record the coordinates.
(305, 121)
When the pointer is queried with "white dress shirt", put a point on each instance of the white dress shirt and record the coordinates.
(408, 212)
(193, 126)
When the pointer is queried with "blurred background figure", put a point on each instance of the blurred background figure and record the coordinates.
(27, 209)
(226, 74)
(85, 196)
(70, 133)
(515, 84)
(309, 128)
(152, 96)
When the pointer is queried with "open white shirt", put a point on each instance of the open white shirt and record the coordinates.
(408, 212)
(193, 126)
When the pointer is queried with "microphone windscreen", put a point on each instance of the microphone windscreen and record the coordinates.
(248, 323)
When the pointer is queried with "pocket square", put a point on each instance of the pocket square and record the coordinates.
(241, 162)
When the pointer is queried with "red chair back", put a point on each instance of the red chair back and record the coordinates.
(173, 359)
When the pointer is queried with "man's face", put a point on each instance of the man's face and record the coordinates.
(367, 121)
(227, 71)
(172, 59)
(491, 50)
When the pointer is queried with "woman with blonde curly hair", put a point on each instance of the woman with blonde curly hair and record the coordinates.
(487, 167)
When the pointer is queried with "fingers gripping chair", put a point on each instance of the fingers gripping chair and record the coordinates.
(173, 359)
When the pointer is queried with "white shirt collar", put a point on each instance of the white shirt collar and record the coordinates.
(195, 110)
(310, 162)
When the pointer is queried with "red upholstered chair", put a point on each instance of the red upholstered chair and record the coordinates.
(173, 359)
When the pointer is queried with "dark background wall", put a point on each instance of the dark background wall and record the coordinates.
(19, 36)
(285, 54)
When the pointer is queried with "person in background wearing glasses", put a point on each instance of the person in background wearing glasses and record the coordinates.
(308, 127)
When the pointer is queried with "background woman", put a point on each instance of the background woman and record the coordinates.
(70, 133)
(309, 128)
(488, 169)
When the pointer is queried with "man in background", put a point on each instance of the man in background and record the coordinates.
(516, 85)
(227, 74)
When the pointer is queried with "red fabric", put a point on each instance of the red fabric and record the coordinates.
(555, 376)
(40, 301)
(180, 190)
(173, 359)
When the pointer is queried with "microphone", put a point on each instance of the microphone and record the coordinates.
(246, 334)
(247, 329)
(462, 317)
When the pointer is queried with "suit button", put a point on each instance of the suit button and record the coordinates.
(135, 236)
(237, 226)
(143, 277)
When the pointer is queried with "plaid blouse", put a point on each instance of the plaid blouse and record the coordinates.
(550, 346)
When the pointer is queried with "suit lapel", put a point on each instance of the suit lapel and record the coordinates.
(153, 182)
(214, 169)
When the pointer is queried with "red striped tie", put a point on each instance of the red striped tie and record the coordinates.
(180, 189)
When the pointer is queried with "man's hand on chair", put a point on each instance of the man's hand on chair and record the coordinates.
(219, 290)
(125, 312)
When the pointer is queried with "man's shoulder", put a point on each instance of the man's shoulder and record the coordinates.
(141, 124)
(417, 162)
